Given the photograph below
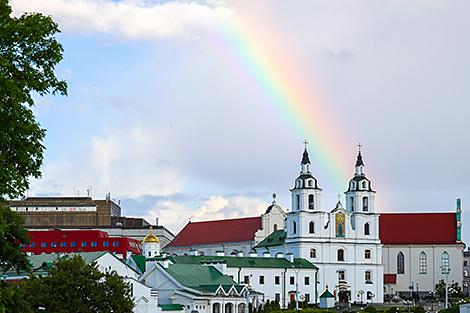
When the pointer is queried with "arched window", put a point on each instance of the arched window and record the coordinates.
(228, 308)
(201, 253)
(275, 227)
(445, 263)
(368, 277)
(313, 253)
(400, 263)
(340, 255)
(365, 204)
(216, 308)
(294, 227)
(241, 308)
(422, 263)
(311, 227)
(310, 183)
(310, 202)
(366, 229)
(298, 202)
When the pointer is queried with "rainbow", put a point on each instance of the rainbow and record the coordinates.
(284, 96)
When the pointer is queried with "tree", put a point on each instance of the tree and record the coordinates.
(74, 286)
(29, 53)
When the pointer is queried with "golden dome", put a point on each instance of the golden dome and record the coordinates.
(150, 237)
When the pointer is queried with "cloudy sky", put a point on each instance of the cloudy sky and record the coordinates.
(198, 109)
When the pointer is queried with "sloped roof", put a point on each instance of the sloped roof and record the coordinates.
(253, 262)
(171, 307)
(198, 277)
(276, 238)
(139, 261)
(418, 228)
(220, 231)
(326, 294)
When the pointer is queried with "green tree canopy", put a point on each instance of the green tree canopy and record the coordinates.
(74, 286)
(29, 53)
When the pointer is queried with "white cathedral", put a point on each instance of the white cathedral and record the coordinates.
(344, 242)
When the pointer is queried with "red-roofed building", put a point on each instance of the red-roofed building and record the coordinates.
(232, 236)
(419, 249)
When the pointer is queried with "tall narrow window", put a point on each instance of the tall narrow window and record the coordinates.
(368, 277)
(298, 202)
(294, 227)
(422, 263)
(367, 254)
(445, 263)
(310, 202)
(400, 263)
(340, 255)
(311, 227)
(313, 253)
(365, 204)
(366, 229)
(352, 204)
(275, 227)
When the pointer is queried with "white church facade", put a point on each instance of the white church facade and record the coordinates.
(343, 243)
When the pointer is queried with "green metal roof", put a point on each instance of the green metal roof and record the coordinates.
(140, 261)
(253, 262)
(276, 238)
(327, 294)
(171, 307)
(198, 277)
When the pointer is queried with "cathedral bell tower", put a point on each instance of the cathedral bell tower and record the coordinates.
(306, 196)
(360, 197)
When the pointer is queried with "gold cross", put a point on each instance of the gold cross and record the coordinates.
(306, 143)
(359, 145)
(339, 197)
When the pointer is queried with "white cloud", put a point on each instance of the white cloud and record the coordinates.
(175, 215)
(128, 19)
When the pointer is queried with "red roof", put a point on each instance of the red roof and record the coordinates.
(418, 228)
(221, 231)
(390, 278)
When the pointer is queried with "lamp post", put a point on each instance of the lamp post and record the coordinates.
(297, 286)
(446, 271)
(361, 292)
(432, 292)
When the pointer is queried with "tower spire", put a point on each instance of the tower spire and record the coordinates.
(305, 159)
(359, 162)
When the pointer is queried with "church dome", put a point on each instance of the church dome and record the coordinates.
(150, 237)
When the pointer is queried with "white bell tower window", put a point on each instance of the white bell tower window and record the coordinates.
(310, 202)
(297, 197)
(365, 204)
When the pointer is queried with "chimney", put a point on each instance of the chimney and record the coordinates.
(290, 257)
(266, 254)
(280, 255)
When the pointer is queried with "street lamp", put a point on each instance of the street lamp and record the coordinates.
(432, 292)
(446, 271)
(297, 286)
(360, 292)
